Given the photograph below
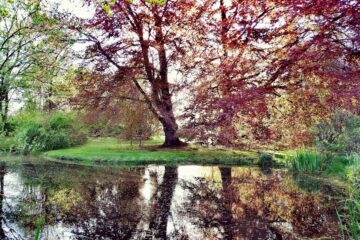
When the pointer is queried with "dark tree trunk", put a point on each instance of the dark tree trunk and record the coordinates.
(170, 129)
(171, 140)
(50, 105)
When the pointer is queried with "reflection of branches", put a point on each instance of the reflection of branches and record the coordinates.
(208, 214)
(5, 227)
(257, 206)
(107, 214)
(99, 205)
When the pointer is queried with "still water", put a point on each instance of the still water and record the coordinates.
(161, 202)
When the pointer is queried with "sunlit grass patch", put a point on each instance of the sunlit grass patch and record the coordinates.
(112, 151)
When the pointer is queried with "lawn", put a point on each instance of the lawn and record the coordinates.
(111, 151)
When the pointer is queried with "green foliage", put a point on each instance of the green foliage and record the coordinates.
(39, 224)
(37, 132)
(60, 121)
(305, 161)
(340, 134)
(104, 130)
(337, 166)
(156, 2)
(7, 144)
(30, 138)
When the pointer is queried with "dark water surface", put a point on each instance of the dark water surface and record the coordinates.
(161, 202)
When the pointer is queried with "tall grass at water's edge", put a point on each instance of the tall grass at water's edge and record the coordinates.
(39, 224)
(304, 161)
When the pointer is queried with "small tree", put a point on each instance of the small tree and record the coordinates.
(139, 123)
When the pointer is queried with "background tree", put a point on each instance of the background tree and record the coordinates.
(139, 123)
(30, 43)
(108, 99)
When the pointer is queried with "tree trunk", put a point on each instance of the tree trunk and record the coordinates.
(160, 100)
(160, 88)
(4, 108)
(170, 128)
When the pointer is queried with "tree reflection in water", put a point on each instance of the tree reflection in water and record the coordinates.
(158, 202)
(2, 174)
(255, 205)
(162, 203)
(109, 210)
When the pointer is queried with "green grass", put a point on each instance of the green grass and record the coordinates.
(337, 167)
(110, 151)
(305, 161)
(39, 224)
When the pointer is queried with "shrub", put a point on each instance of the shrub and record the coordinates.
(60, 121)
(29, 138)
(336, 166)
(305, 161)
(43, 133)
(340, 134)
(7, 144)
(266, 160)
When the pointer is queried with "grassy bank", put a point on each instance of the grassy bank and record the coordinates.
(111, 151)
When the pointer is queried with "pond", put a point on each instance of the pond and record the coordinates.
(161, 202)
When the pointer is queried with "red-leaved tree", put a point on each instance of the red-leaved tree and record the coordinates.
(234, 57)
(144, 41)
(261, 50)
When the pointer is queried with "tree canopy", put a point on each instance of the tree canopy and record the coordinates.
(232, 60)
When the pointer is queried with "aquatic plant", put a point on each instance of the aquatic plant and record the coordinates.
(39, 224)
(305, 161)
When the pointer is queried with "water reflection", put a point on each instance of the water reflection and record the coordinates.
(158, 202)
(2, 174)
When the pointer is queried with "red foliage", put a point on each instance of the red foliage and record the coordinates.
(266, 49)
(235, 57)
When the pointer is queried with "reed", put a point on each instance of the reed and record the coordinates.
(305, 161)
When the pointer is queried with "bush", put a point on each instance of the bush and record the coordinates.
(42, 133)
(7, 144)
(340, 134)
(337, 166)
(29, 138)
(60, 121)
(305, 161)
(266, 160)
